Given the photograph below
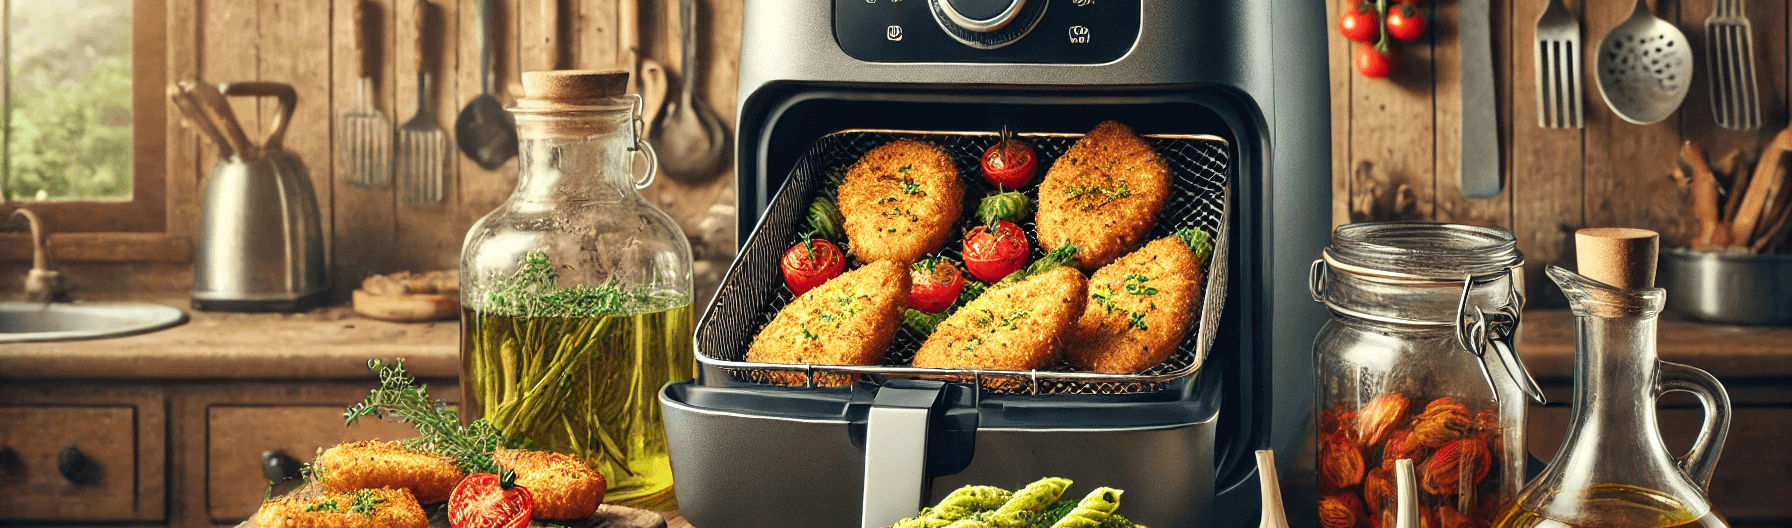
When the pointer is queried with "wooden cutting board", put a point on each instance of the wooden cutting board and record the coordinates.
(607, 516)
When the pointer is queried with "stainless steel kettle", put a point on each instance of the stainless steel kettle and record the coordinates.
(260, 244)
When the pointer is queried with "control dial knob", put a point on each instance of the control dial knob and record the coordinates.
(987, 24)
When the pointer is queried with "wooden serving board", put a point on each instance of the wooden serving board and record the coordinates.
(607, 516)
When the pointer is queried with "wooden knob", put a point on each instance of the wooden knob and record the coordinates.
(1620, 256)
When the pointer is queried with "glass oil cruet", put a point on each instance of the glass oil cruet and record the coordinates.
(576, 292)
(1613, 470)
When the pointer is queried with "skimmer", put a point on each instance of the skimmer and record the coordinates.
(1644, 68)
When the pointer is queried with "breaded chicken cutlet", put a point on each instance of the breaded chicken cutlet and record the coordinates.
(1102, 195)
(365, 508)
(1139, 309)
(900, 201)
(848, 320)
(564, 486)
(1009, 327)
(374, 464)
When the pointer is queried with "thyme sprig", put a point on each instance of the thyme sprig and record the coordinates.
(439, 431)
(532, 291)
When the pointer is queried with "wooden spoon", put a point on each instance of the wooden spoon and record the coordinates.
(1762, 187)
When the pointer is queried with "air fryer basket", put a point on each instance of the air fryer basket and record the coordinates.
(753, 292)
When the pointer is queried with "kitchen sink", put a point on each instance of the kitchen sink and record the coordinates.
(22, 322)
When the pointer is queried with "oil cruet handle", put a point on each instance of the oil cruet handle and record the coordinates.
(1702, 459)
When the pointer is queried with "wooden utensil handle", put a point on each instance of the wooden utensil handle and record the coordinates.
(550, 29)
(1760, 187)
(360, 35)
(417, 15)
(1704, 196)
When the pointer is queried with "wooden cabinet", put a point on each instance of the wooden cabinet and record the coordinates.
(242, 440)
(81, 454)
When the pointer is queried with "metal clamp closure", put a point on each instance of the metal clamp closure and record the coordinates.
(1477, 332)
(640, 143)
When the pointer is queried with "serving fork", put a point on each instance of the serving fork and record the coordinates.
(1558, 68)
(1735, 101)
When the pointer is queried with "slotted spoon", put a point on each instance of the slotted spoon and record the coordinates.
(1558, 68)
(1644, 67)
(1735, 101)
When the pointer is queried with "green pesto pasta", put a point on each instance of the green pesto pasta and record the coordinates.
(961, 504)
(1092, 510)
(1036, 496)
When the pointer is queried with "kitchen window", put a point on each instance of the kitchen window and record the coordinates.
(84, 115)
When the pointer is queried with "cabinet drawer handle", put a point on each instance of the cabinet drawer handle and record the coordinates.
(11, 466)
(77, 468)
(276, 465)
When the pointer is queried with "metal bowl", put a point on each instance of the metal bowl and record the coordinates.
(1728, 289)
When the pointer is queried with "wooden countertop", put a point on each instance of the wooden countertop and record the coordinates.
(1546, 343)
(329, 343)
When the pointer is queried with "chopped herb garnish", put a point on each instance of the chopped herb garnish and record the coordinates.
(1135, 284)
(325, 506)
(1098, 196)
(364, 502)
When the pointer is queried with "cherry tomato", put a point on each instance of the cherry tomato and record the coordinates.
(1012, 169)
(1372, 63)
(1405, 23)
(990, 257)
(811, 263)
(935, 285)
(482, 501)
(1358, 23)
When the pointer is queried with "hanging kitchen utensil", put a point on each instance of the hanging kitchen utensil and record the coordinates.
(1730, 49)
(190, 109)
(365, 143)
(1270, 485)
(422, 145)
(1644, 68)
(648, 74)
(690, 137)
(1478, 171)
(485, 132)
(1612, 469)
(1558, 68)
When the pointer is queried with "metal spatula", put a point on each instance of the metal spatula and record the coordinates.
(422, 145)
(1558, 68)
(1735, 102)
(366, 134)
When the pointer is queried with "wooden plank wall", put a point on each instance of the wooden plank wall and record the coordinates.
(1395, 153)
(309, 44)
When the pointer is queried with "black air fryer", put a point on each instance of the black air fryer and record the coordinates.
(1233, 94)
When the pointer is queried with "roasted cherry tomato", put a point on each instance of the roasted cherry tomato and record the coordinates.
(483, 501)
(992, 256)
(1012, 167)
(1358, 23)
(935, 285)
(811, 263)
(1405, 23)
(1372, 63)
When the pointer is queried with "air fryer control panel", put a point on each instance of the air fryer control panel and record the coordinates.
(1010, 31)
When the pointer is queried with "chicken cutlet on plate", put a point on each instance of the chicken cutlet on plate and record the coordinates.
(1010, 327)
(564, 486)
(1102, 195)
(345, 468)
(1139, 309)
(900, 201)
(364, 508)
(848, 320)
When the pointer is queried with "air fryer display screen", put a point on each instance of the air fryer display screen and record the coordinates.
(1011, 31)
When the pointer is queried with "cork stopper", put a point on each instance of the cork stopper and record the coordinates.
(1620, 256)
(571, 87)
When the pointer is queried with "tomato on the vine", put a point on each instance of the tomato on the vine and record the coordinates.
(1372, 63)
(482, 500)
(810, 263)
(1359, 23)
(1010, 164)
(935, 284)
(1405, 23)
(992, 256)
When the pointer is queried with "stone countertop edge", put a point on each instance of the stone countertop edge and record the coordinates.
(324, 344)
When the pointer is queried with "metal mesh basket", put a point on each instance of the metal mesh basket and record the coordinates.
(753, 292)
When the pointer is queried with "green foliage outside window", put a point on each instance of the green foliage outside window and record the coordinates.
(68, 128)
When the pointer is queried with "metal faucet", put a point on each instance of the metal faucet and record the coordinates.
(42, 284)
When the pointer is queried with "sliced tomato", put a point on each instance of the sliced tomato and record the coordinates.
(482, 501)
(992, 256)
(811, 263)
(1010, 164)
(935, 285)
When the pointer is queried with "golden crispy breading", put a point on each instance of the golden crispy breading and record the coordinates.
(1102, 195)
(564, 486)
(900, 201)
(846, 321)
(1015, 327)
(369, 508)
(374, 464)
(1139, 309)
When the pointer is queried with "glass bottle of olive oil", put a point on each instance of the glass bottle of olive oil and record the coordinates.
(576, 292)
